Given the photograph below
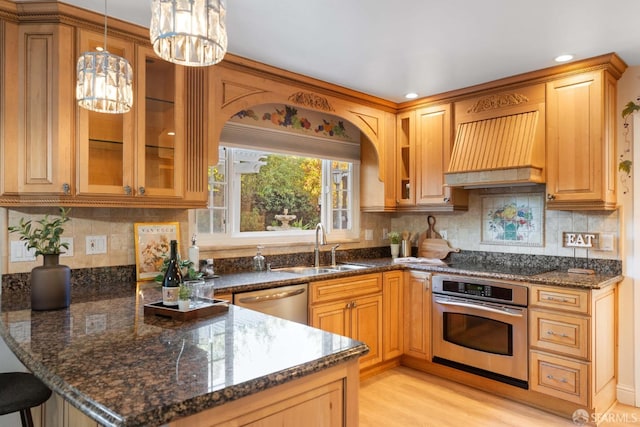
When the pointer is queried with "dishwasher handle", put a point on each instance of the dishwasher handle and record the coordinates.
(271, 297)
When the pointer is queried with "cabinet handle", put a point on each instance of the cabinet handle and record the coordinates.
(66, 188)
(557, 299)
(354, 304)
(141, 191)
(562, 380)
(550, 196)
(348, 305)
(563, 335)
(446, 199)
(127, 190)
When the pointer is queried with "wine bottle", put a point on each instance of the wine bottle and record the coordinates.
(172, 278)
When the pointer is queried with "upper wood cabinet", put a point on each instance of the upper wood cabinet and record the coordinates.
(424, 142)
(106, 142)
(581, 142)
(434, 133)
(37, 109)
(54, 151)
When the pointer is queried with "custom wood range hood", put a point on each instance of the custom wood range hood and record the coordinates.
(500, 140)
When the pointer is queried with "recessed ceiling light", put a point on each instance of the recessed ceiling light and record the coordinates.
(564, 58)
(411, 95)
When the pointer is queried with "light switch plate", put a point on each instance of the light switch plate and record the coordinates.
(20, 253)
(368, 234)
(607, 242)
(69, 251)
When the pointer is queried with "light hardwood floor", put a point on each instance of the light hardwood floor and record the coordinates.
(403, 397)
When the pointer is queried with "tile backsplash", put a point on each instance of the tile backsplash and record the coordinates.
(464, 229)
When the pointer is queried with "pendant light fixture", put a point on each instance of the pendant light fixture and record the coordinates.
(104, 81)
(189, 32)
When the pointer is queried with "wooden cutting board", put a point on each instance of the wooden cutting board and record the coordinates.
(434, 248)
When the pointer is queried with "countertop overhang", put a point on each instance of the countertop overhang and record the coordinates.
(123, 368)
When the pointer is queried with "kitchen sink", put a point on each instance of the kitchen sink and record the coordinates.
(304, 270)
(348, 267)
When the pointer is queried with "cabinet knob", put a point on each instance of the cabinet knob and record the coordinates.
(551, 196)
(446, 199)
(66, 188)
(141, 191)
(127, 190)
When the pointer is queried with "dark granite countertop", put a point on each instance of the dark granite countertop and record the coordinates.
(242, 282)
(123, 368)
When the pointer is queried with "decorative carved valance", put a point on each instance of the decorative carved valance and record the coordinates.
(311, 100)
(493, 102)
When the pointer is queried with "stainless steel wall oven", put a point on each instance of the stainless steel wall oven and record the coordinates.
(480, 326)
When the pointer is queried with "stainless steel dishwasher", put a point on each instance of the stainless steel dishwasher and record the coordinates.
(287, 302)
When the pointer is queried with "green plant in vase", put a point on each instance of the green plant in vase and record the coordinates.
(394, 240)
(50, 282)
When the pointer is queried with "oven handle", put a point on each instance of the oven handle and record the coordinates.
(503, 310)
(270, 297)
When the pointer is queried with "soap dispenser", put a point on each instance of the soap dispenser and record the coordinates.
(258, 260)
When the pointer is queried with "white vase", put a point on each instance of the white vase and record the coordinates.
(395, 250)
(183, 304)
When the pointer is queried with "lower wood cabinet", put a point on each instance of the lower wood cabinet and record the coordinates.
(573, 345)
(392, 314)
(417, 314)
(350, 306)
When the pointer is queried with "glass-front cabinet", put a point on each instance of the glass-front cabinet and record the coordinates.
(105, 141)
(139, 153)
(160, 130)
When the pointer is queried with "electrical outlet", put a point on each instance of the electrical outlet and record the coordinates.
(96, 245)
(385, 233)
(443, 234)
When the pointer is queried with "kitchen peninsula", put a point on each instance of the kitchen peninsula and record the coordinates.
(124, 368)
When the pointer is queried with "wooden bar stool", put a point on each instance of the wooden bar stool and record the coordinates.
(21, 391)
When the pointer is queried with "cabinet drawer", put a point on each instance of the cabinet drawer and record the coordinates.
(568, 299)
(563, 378)
(558, 332)
(348, 287)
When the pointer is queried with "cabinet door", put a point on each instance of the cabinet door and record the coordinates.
(38, 140)
(366, 326)
(332, 317)
(160, 127)
(105, 141)
(392, 297)
(434, 144)
(417, 315)
(580, 142)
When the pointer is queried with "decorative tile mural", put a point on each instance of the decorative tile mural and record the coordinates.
(514, 219)
(290, 118)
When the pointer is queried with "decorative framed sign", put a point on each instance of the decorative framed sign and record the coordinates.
(513, 219)
(152, 246)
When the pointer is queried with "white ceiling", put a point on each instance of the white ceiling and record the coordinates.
(389, 48)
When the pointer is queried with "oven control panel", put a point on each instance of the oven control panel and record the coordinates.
(480, 289)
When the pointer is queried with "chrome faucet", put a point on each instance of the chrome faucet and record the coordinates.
(320, 240)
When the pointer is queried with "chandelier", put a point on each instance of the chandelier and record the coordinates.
(104, 81)
(189, 32)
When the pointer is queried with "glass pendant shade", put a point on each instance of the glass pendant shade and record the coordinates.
(104, 82)
(189, 32)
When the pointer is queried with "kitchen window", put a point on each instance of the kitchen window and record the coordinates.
(270, 193)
